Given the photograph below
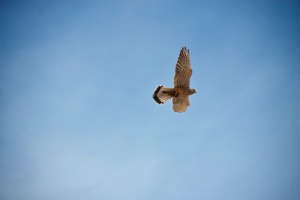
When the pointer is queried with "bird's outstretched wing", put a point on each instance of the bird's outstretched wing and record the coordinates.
(183, 70)
(180, 103)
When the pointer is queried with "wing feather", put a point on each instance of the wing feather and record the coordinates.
(183, 70)
(180, 103)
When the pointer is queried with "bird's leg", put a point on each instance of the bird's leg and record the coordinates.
(172, 93)
(176, 94)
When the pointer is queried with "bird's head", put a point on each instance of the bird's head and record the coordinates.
(192, 91)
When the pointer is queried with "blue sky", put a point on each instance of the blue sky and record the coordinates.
(77, 119)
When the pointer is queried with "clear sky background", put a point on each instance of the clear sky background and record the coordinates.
(77, 117)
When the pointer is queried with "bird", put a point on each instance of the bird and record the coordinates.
(181, 90)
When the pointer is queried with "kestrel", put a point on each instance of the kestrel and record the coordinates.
(181, 91)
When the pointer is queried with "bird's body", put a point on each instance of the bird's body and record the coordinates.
(181, 90)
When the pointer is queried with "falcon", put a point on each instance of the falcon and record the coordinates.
(181, 91)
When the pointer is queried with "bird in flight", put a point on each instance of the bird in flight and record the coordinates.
(181, 91)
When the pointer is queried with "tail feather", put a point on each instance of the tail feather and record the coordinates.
(162, 94)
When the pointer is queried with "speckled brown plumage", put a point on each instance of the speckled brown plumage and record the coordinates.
(181, 91)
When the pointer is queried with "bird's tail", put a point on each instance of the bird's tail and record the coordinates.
(162, 94)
